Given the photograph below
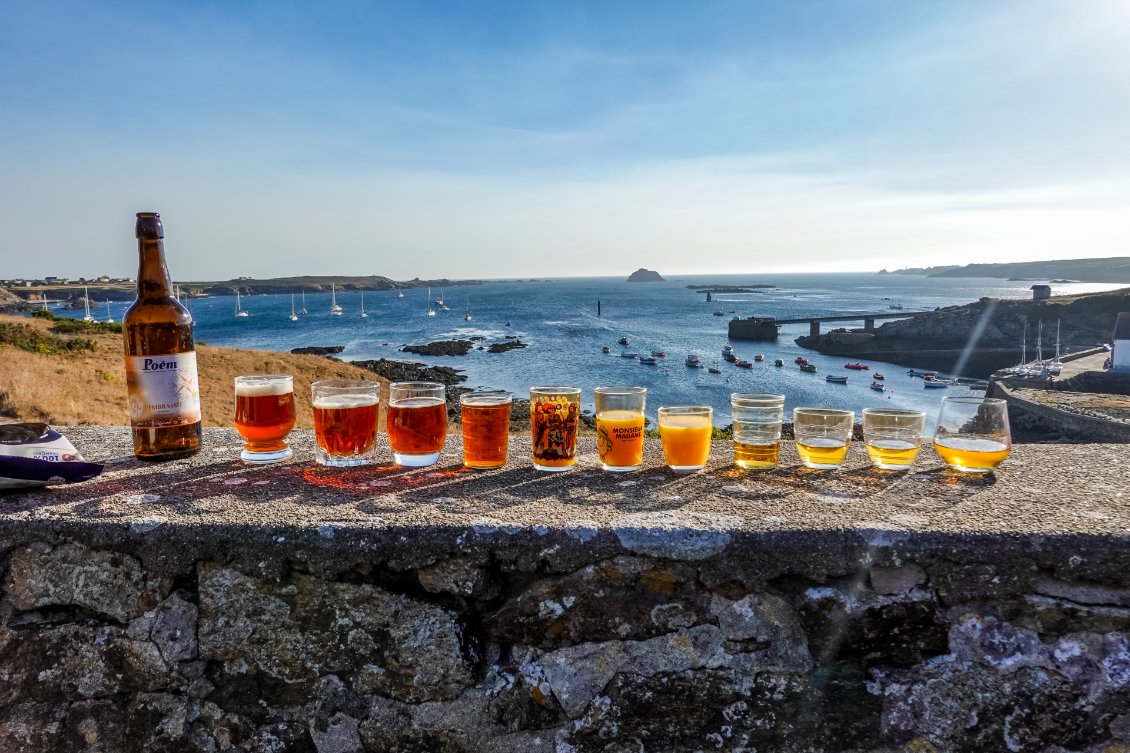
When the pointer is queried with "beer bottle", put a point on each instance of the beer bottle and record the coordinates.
(164, 392)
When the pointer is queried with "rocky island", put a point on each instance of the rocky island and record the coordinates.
(645, 275)
(991, 330)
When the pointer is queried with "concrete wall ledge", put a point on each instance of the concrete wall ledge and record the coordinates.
(205, 605)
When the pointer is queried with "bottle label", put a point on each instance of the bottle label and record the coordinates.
(163, 390)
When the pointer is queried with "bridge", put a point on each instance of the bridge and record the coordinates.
(867, 319)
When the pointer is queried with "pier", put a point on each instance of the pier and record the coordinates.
(867, 319)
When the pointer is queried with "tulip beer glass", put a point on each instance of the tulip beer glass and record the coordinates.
(973, 434)
(822, 436)
(554, 414)
(264, 415)
(486, 428)
(685, 431)
(757, 429)
(417, 422)
(619, 427)
(345, 421)
(893, 436)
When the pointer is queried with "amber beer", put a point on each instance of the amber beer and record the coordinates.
(160, 356)
(486, 428)
(345, 421)
(264, 415)
(417, 422)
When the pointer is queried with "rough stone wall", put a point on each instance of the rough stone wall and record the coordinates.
(903, 646)
(1029, 417)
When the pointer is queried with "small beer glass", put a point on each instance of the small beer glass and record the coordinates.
(619, 427)
(417, 422)
(264, 416)
(345, 421)
(685, 431)
(973, 434)
(823, 436)
(554, 415)
(893, 436)
(486, 428)
(757, 429)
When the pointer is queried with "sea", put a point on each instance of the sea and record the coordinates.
(558, 319)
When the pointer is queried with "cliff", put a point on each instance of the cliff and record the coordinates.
(986, 335)
(645, 275)
(1113, 269)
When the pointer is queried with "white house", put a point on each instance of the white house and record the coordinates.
(1120, 358)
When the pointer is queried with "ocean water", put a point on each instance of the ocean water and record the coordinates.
(558, 318)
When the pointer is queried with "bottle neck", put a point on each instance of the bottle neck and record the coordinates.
(152, 273)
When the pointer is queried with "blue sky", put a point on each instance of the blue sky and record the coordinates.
(488, 139)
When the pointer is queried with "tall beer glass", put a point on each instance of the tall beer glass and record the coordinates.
(554, 415)
(757, 429)
(619, 427)
(345, 421)
(973, 434)
(264, 415)
(486, 428)
(417, 422)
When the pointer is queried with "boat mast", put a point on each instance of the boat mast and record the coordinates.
(1040, 341)
(1057, 323)
(1024, 344)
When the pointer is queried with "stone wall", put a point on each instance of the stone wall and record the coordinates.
(662, 631)
(1042, 419)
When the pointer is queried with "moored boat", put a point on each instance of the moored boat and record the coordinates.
(743, 364)
(877, 376)
(714, 370)
(606, 349)
(759, 357)
(834, 379)
(659, 353)
(878, 387)
(629, 354)
(920, 373)
(800, 360)
(809, 367)
(693, 361)
(649, 360)
(623, 341)
(935, 385)
(857, 366)
(779, 362)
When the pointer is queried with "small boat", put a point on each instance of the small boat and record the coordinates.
(431, 311)
(304, 311)
(439, 301)
(109, 316)
(920, 373)
(727, 350)
(87, 317)
(714, 370)
(719, 313)
(759, 357)
(364, 314)
(878, 377)
(335, 310)
(857, 366)
(809, 367)
(878, 387)
(606, 349)
(935, 385)
(834, 379)
(629, 354)
(399, 293)
(659, 353)
(743, 364)
(649, 360)
(466, 311)
(239, 309)
(623, 341)
(778, 362)
(293, 316)
(800, 361)
(693, 361)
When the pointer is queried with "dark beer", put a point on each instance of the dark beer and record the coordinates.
(417, 426)
(161, 379)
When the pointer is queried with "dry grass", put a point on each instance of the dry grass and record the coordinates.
(89, 387)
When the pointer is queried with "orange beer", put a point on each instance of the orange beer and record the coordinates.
(554, 414)
(685, 432)
(264, 415)
(619, 427)
(345, 421)
(417, 422)
(486, 428)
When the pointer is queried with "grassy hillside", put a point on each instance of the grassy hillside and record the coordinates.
(1114, 269)
(73, 373)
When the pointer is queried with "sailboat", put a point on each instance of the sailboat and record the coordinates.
(109, 316)
(363, 314)
(86, 305)
(45, 302)
(304, 311)
(293, 316)
(335, 310)
(400, 293)
(439, 301)
(467, 315)
(238, 310)
(431, 311)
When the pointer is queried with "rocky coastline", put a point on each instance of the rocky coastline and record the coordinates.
(978, 338)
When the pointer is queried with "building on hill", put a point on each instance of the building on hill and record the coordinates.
(1041, 292)
(1120, 340)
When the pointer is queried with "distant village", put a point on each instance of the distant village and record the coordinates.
(50, 281)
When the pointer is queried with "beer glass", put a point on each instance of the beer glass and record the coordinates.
(264, 415)
(345, 421)
(822, 436)
(685, 431)
(757, 429)
(973, 434)
(893, 436)
(554, 414)
(486, 428)
(619, 427)
(417, 422)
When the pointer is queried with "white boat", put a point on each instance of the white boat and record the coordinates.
(649, 360)
(87, 317)
(935, 384)
(400, 293)
(363, 314)
(628, 354)
(834, 379)
(467, 311)
(335, 310)
(693, 361)
(293, 316)
(239, 309)
(109, 316)
(304, 311)
(431, 311)
(439, 301)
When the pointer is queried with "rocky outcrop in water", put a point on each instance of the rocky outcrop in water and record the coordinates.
(318, 350)
(402, 371)
(441, 348)
(645, 275)
(506, 345)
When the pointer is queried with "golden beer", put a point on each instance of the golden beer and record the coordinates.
(968, 454)
(822, 452)
(753, 455)
(892, 453)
